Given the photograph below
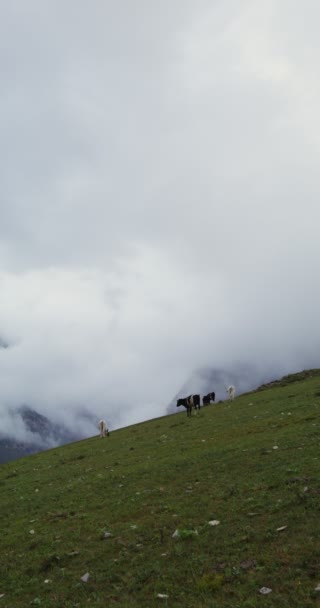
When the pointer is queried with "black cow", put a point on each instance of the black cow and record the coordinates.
(206, 399)
(189, 403)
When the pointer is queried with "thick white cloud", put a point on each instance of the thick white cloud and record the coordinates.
(159, 198)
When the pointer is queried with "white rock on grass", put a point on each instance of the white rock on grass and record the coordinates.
(85, 577)
(214, 522)
(265, 590)
(107, 535)
(31, 531)
(162, 595)
(275, 447)
(317, 588)
(184, 533)
(281, 528)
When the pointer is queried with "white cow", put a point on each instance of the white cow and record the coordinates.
(231, 392)
(104, 432)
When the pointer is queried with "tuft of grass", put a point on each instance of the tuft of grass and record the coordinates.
(210, 582)
(253, 465)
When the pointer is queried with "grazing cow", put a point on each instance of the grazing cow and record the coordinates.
(206, 399)
(196, 402)
(104, 432)
(189, 403)
(231, 392)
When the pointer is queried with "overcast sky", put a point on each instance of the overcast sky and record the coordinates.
(159, 190)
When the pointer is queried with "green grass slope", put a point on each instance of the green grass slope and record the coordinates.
(252, 465)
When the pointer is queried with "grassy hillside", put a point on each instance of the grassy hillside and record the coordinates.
(252, 465)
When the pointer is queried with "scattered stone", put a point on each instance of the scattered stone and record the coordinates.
(72, 553)
(298, 479)
(184, 533)
(37, 490)
(120, 541)
(162, 595)
(275, 447)
(219, 567)
(31, 531)
(107, 535)
(2, 595)
(47, 580)
(317, 588)
(305, 489)
(281, 528)
(214, 522)
(85, 577)
(133, 527)
(265, 590)
(247, 564)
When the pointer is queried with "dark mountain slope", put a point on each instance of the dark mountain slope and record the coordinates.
(41, 434)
